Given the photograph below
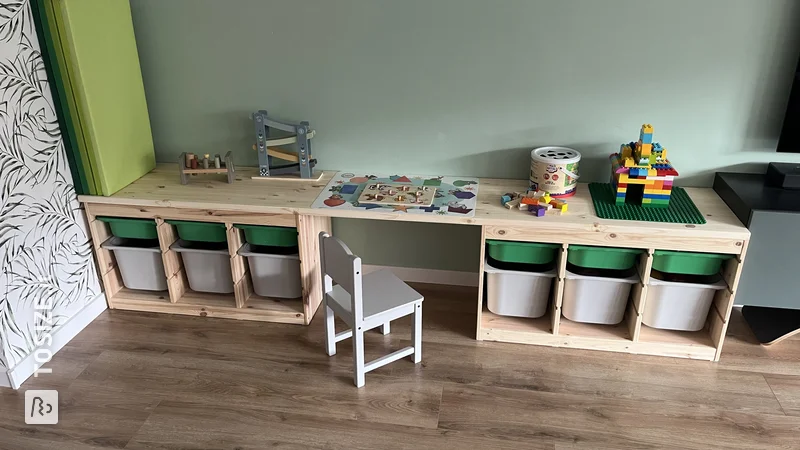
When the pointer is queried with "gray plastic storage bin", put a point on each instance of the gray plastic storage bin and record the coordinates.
(596, 299)
(678, 306)
(141, 267)
(207, 270)
(274, 275)
(518, 294)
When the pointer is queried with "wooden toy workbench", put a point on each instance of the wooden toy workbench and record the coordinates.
(159, 195)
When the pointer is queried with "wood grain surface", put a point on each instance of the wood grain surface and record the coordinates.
(152, 381)
(159, 193)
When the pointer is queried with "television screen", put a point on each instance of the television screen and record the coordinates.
(790, 134)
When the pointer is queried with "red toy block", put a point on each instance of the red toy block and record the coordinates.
(667, 172)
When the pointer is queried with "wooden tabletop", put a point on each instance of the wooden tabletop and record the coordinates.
(162, 188)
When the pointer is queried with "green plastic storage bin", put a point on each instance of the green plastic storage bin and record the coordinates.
(269, 236)
(200, 231)
(687, 263)
(602, 257)
(522, 252)
(124, 227)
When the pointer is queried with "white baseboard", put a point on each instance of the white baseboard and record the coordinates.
(413, 275)
(61, 336)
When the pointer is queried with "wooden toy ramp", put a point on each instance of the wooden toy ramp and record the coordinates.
(297, 164)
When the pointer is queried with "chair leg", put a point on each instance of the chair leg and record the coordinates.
(358, 357)
(386, 328)
(330, 331)
(416, 333)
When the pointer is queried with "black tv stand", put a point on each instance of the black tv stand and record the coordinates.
(769, 287)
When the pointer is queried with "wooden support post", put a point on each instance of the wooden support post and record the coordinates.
(106, 264)
(558, 288)
(238, 267)
(173, 264)
(720, 314)
(639, 295)
(308, 229)
(481, 281)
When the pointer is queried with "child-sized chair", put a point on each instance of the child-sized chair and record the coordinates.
(364, 303)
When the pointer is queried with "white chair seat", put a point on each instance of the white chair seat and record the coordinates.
(382, 292)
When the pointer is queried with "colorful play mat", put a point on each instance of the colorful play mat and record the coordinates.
(454, 195)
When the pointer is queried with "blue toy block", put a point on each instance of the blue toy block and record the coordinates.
(656, 197)
(657, 147)
(505, 199)
(646, 138)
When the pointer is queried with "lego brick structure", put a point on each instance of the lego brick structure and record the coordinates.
(641, 173)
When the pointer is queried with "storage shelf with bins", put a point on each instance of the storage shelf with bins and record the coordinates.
(629, 336)
(242, 304)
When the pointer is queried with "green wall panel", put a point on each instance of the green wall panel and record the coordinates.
(102, 62)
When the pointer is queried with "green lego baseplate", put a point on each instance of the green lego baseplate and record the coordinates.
(681, 208)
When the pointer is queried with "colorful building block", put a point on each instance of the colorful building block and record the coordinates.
(643, 163)
(538, 211)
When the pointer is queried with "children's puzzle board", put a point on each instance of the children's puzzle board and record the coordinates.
(397, 194)
(452, 196)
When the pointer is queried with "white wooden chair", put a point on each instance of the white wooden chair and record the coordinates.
(364, 303)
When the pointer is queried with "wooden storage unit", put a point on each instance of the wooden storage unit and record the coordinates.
(629, 336)
(160, 195)
(180, 299)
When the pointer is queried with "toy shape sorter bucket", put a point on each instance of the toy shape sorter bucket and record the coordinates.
(555, 170)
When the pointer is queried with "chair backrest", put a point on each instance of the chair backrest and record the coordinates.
(339, 264)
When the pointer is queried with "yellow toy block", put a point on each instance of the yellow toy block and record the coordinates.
(636, 181)
(623, 178)
(628, 162)
(546, 198)
(652, 173)
(647, 128)
(563, 208)
(646, 149)
(646, 200)
(657, 191)
(622, 190)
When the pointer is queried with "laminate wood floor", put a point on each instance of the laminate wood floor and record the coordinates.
(154, 381)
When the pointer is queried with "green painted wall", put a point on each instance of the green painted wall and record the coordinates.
(469, 86)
